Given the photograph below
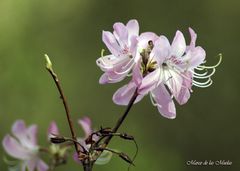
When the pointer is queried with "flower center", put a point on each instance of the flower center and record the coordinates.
(148, 65)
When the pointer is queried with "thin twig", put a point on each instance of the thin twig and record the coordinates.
(120, 121)
(122, 118)
(57, 82)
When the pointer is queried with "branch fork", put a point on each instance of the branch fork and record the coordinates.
(85, 156)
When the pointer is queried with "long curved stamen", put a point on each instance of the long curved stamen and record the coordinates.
(214, 66)
(204, 86)
(101, 63)
(131, 59)
(102, 52)
(206, 76)
(102, 60)
(153, 101)
(203, 83)
(199, 74)
(200, 69)
(127, 70)
(103, 66)
(114, 79)
(123, 72)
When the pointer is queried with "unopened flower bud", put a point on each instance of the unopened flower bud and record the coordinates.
(57, 139)
(48, 62)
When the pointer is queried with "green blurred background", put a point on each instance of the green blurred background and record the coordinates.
(207, 127)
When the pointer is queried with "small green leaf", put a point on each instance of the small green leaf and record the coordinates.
(104, 158)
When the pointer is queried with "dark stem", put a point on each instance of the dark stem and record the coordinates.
(88, 165)
(57, 82)
(122, 118)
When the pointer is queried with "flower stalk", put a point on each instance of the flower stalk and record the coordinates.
(122, 118)
(116, 127)
(60, 90)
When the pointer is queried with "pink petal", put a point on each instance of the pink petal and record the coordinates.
(23, 134)
(32, 134)
(31, 164)
(137, 74)
(14, 149)
(123, 95)
(161, 50)
(121, 33)
(86, 125)
(133, 28)
(42, 166)
(198, 55)
(178, 45)
(165, 104)
(193, 58)
(111, 77)
(75, 158)
(184, 94)
(19, 129)
(174, 81)
(193, 37)
(112, 63)
(149, 82)
(144, 38)
(111, 43)
(53, 129)
(133, 46)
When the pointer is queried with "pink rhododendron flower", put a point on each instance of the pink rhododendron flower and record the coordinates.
(122, 44)
(58, 152)
(23, 146)
(166, 71)
(86, 125)
(52, 129)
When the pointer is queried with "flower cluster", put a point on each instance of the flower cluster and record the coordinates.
(157, 67)
(22, 145)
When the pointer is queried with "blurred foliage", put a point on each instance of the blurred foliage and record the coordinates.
(207, 127)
